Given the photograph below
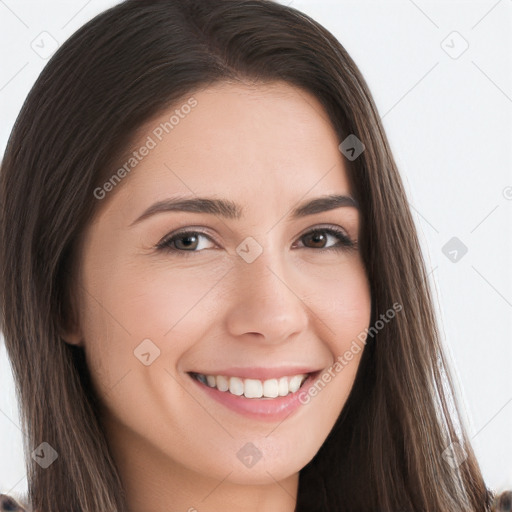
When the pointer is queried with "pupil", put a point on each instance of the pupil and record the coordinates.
(188, 240)
(317, 238)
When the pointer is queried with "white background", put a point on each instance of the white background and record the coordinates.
(449, 123)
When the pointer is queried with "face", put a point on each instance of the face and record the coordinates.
(245, 294)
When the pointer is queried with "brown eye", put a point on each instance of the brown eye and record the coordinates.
(319, 237)
(187, 241)
(184, 242)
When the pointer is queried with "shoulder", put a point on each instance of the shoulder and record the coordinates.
(502, 502)
(9, 504)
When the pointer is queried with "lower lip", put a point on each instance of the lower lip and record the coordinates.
(270, 409)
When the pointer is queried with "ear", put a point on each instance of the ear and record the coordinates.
(71, 334)
(68, 327)
(73, 338)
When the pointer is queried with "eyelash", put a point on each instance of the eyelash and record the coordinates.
(346, 243)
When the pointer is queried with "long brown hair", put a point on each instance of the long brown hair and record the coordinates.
(125, 66)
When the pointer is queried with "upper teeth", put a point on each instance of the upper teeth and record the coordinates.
(254, 388)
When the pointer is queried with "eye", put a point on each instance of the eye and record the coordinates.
(185, 242)
(320, 235)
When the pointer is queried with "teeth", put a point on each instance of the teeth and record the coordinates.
(254, 388)
(295, 383)
(222, 383)
(271, 388)
(236, 386)
(283, 386)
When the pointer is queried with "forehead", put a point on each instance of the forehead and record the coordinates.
(255, 143)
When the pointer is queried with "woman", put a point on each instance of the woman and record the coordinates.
(260, 371)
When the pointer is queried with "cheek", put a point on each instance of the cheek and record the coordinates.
(127, 305)
(139, 300)
(348, 315)
(341, 298)
(351, 308)
(341, 301)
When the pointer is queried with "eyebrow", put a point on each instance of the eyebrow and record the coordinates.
(231, 210)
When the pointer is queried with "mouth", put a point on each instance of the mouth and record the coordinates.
(268, 389)
(272, 400)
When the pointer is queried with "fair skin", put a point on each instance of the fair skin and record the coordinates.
(268, 148)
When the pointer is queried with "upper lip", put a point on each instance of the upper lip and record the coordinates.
(261, 373)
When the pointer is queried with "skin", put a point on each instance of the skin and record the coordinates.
(267, 147)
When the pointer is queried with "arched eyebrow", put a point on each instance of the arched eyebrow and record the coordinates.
(230, 210)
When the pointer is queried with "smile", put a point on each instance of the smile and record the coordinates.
(253, 388)
(273, 399)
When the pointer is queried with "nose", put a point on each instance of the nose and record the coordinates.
(265, 301)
